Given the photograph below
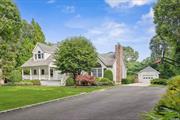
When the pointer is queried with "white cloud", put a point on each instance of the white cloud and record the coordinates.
(51, 1)
(128, 3)
(69, 9)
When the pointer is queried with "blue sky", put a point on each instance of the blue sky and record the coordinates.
(104, 22)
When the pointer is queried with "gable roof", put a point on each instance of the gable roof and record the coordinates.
(149, 69)
(47, 48)
(107, 58)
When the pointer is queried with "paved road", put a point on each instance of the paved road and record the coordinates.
(122, 103)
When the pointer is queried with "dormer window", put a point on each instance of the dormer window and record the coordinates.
(39, 55)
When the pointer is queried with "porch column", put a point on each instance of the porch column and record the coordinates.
(102, 72)
(49, 76)
(39, 73)
(22, 74)
(30, 74)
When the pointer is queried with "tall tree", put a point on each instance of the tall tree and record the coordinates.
(10, 24)
(38, 35)
(130, 54)
(167, 20)
(75, 55)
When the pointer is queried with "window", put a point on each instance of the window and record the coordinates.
(35, 56)
(39, 54)
(97, 72)
(42, 71)
(35, 72)
(51, 72)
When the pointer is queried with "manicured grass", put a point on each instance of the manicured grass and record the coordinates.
(17, 96)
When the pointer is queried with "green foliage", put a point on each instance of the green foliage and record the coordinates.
(10, 24)
(130, 79)
(15, 76)
(23, 83)
(36, 82)
(167, 20)
(130, 54)
(159, 81)
(38, 35)
(108, 74)
(168, 107)
(70, 81)
(104, 81)
(74, 55)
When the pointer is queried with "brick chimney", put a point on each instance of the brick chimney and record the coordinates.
(119, 58)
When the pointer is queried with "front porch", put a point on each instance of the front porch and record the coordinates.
(41, 73)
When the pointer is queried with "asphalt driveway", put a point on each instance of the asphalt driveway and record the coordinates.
(121, 103)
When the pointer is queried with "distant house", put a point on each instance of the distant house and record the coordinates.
(41, 66)
(147, 74)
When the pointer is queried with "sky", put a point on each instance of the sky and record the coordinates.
(104, 22)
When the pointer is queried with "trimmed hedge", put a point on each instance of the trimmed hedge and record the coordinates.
(70, 81)
(168, 107)
(159, 81)
(108, 74)
(103, 81)
(24, 83)
(130, 79)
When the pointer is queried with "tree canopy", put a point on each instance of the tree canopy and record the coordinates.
(75, 55)
(167, 20)
(10, 24)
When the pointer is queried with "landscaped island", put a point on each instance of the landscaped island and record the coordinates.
(18, 96)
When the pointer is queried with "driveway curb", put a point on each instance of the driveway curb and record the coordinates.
(54, 100)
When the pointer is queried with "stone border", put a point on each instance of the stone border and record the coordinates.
(54, 100)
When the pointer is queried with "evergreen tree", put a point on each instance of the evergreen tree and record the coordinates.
(10, 24)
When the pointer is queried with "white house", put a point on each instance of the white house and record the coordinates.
(147, 74)
(41, 66)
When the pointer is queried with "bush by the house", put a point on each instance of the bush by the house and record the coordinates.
(24, 83)
(15, 76)
(168, 107)
(159, 81)
(108, 74)
(85, 80)
(69, 81)
(104, 81)
(130, 79)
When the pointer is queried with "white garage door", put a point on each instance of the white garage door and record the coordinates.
(146, 79)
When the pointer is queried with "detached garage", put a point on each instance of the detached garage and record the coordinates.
(147, 74)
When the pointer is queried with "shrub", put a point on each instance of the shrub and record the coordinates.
(130, 79)
(159, 81)
(15, 76)
(104, 81)
(108, 74)
(36, 82)
(168, 107)
(85, 79)
(69, 81)
(23, 83)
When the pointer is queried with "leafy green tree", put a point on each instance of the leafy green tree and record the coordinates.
(130, 54)
(38, 35)
(167, 20)
(75, 55)
(10, 24)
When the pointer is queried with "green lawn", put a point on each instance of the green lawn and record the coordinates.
(17, 96)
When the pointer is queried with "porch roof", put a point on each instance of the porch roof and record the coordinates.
(31, 62)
